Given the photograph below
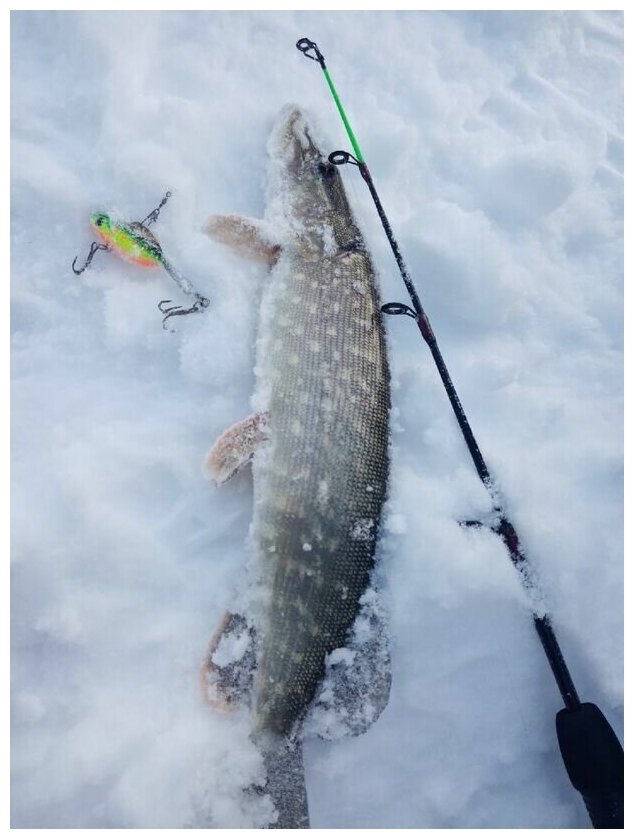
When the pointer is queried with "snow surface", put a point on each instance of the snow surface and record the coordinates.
(496, 143)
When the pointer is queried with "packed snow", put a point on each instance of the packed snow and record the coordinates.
(496, 144)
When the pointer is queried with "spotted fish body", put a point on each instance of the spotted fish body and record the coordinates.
(319, 447)
(320, 483)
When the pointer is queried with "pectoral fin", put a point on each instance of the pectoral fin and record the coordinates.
(247, 237)
(235, 447)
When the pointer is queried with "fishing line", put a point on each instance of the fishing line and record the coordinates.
(590, 749)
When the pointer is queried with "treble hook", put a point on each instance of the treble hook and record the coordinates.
(151, 217)
(96, 246)
(173, 311)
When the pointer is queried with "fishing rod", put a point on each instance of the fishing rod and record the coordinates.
(591, 751)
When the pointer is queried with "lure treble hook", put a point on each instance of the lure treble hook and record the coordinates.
(96, 246)
(200, 304)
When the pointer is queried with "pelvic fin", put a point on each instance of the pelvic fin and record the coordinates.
(233, 450)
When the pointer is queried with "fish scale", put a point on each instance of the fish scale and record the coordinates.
(328, 417)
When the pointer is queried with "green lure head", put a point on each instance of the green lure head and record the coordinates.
(100, 222)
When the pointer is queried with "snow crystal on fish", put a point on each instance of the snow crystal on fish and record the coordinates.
(363, 530)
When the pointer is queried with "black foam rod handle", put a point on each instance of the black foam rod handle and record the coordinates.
(593, 757)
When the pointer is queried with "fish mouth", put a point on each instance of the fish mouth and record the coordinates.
(292, 142)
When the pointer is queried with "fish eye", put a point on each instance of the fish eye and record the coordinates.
(327, 171)
(99, 221)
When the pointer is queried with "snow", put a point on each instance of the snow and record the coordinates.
(496, 144)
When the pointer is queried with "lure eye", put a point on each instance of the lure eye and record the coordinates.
(99, 221)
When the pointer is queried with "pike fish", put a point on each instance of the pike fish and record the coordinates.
(318, 443)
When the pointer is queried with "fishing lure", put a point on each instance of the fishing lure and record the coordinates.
(134, 242)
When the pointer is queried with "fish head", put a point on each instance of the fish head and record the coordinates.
(306, 192)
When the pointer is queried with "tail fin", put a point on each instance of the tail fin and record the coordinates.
(285, 781)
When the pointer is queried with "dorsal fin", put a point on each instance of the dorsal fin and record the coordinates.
(356, 686)
(144, 231)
